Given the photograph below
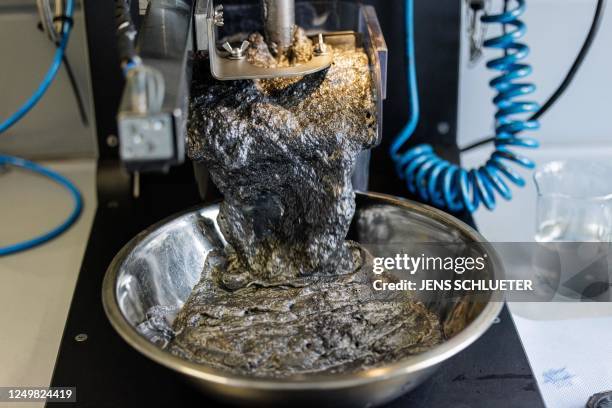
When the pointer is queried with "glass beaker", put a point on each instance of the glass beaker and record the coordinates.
(574, 202)
(574, 221)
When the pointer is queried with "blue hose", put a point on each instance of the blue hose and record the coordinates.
(445, 184)
(413, 90)
(59, 179)
(51, 73)
(33, 167)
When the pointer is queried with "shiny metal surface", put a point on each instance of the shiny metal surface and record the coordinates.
(226, 69)
(162, 264)
(279, 22)
(200, 17)
(376, 48)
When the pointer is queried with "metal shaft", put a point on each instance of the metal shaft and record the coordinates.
(279, 21)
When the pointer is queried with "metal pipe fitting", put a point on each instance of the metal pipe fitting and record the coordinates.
(279, 22)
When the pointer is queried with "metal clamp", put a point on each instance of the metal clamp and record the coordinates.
(233, 65)
(475, 29)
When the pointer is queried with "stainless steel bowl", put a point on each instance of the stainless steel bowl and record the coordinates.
(162, 264)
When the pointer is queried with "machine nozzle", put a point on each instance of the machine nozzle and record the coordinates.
(279, 22)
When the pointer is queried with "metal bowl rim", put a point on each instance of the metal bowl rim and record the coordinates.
(411, 364)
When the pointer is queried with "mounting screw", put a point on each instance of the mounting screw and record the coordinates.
(80, 337)
(443, 128)
(320, 47)
(236, 53)
(497, 320)
(112, 141)
(218, 16)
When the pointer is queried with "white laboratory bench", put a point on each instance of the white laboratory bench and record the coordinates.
(36, 286)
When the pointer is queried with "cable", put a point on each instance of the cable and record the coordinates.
(57, 178)
(146, 86)
(447, 185)
(569, 77)
(75, 91)
(71, 77)
(46, 19)
(126, 32)
(413, 91)
(48, 79)
(33, 167)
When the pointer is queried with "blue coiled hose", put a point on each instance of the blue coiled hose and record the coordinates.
(445, 184)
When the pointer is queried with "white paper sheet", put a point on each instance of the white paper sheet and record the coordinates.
(571, 359)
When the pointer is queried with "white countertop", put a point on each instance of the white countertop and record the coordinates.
(36, 286)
